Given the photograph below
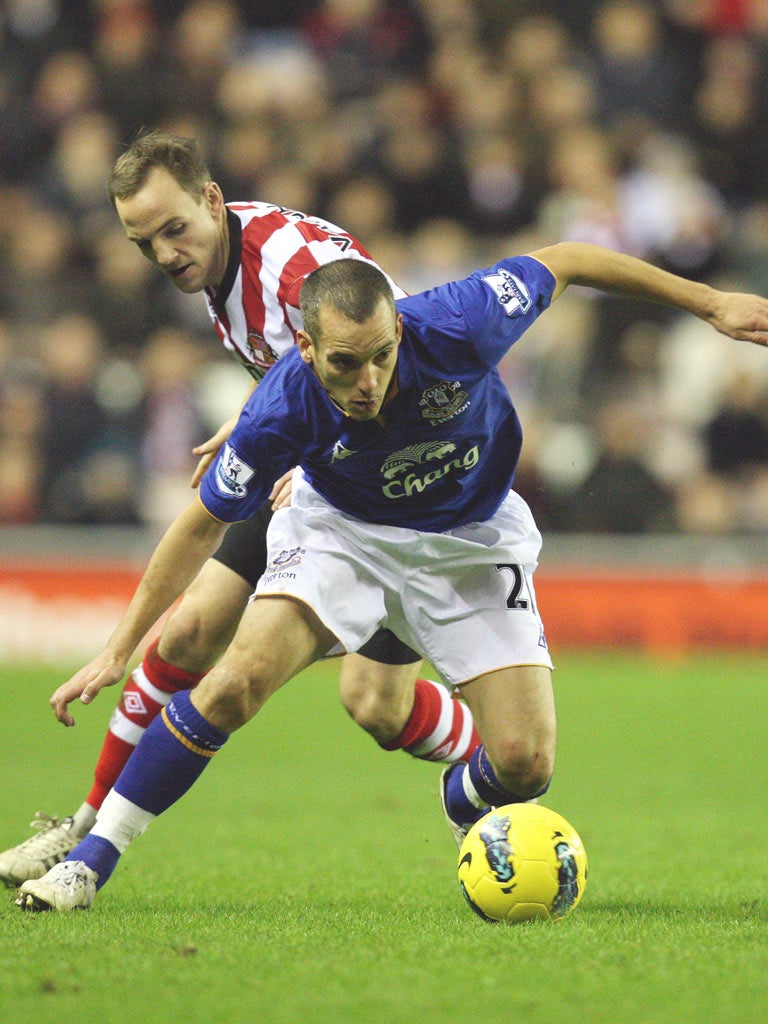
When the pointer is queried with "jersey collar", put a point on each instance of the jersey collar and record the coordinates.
(220, 297)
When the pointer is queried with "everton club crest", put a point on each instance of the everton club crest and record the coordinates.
(443, 401)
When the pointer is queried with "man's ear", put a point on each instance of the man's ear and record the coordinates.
(214, 197)
(306, 348)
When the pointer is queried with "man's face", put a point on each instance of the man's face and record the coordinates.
(355, 362)
(185, 235)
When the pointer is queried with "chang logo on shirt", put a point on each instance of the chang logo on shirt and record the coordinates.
(411, 470)
(232, 474)
(510, 291)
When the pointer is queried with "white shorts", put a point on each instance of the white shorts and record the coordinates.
(464, 599)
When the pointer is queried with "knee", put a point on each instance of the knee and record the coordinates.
(233, 692)
(524, 765)
(187, 639)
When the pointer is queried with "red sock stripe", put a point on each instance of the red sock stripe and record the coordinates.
(448, 747)
(167, 677)
(139, 708)
(440, 727)
(113, 758)
(424, 717)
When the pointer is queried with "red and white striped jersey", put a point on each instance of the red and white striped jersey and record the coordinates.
(271, 250)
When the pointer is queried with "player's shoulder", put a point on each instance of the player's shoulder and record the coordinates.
(288, 368)
(256, 212)
(516, 282)
(278, 234)
(289, 398)
(519, 284)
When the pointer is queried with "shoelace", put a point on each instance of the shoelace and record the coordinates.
(72, 877)
(43, 823)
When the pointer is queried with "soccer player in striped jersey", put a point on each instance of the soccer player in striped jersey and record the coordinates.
(249, 259)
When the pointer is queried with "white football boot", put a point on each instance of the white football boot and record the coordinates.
(70, 885)
(53, 840)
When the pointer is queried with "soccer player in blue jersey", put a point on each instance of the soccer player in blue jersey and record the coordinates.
(402, 516)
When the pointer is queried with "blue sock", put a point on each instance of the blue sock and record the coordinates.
(99, 854)
(170, 756)
(177, 745)
(485, 783)
(459, 806)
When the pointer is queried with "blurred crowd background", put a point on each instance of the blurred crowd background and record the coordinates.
(444, 134)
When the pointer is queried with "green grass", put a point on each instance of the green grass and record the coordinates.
(326, 891)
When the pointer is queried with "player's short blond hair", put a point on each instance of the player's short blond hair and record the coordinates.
(183, 159)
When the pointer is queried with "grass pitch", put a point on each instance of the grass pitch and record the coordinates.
(309, 876)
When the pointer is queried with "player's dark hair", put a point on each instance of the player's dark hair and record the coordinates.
(353, 287)
(182, 158)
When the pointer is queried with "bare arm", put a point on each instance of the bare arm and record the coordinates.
(189, 541)
(736, 314)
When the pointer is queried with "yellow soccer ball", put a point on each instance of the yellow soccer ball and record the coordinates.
(521, 862)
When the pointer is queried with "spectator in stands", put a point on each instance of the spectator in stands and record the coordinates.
(88, 445)
(637, 76)
(21, 435)
(574, 121)
(621, 494)
(736, 437)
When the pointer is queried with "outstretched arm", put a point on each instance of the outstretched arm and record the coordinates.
(189, 541)
(736, 314)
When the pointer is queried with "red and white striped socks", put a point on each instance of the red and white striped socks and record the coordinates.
(440, 727)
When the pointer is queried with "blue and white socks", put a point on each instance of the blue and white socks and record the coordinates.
(473, 788)
(173, 752)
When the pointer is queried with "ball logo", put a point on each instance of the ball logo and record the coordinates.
(232, 474)
(498, 849)
(510, 292)
(567, 879)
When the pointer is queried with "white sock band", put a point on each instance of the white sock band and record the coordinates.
(121, 821)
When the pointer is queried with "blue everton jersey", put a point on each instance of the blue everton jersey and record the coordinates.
(444, 448)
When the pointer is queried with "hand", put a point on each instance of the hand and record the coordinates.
(280, 495)
(209, 449)
(104, 670)
(742, 316)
